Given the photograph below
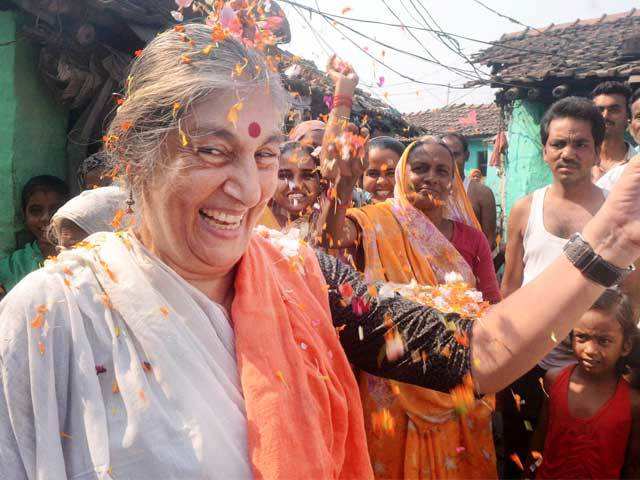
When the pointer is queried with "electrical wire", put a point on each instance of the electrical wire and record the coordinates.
(413, 27)
(506, 17)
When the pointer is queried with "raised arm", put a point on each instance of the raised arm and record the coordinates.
(343, 173)
(520, 330)
(513, 335)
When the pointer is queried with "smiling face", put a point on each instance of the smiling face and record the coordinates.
(430, 172)
(379, 178)
(570, 150)
(41, 206)
(613, 108)
(598, 342)
(199, 211)
(298, 182)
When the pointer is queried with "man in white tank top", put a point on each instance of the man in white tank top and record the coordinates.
(540, 224)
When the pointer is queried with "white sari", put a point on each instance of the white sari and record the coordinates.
(94, 376)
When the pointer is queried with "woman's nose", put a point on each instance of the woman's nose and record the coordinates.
(244, 183)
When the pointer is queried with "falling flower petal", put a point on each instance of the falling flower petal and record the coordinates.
(207, 50)
(380, 81)
(100, 369)
(346, 291)
(146, 366)
(346, 10)
(184, 3)
(138, 53)
(164, 311)
(65, 435)
(41, 348)
(232, 115)
(516, 459)
(359, 306)
(117, 219)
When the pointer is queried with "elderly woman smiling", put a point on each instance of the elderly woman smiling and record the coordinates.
(193, 346)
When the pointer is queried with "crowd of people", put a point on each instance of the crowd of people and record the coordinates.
(222, 301)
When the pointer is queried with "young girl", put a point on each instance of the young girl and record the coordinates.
(41, 197)
(378, 180)
(589, 425)
(295, 201)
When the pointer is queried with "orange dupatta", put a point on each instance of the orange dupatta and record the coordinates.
(303, 409)
(414, 432)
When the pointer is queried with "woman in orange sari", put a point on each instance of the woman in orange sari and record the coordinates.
(413, 432)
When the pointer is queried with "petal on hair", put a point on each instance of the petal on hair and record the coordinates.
(177, 15)
(184, 3)
(232, 116)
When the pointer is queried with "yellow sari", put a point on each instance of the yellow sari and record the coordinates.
(414, 432)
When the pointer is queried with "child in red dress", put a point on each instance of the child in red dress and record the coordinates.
(590, 424)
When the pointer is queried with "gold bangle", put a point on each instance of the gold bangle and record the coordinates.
(344, 118)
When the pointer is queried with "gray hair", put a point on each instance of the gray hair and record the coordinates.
(174, 71)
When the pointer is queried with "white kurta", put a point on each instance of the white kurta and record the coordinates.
(78, 400)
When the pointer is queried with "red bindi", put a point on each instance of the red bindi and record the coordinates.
(254, 130)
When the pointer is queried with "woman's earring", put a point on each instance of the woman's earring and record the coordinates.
(130, 202)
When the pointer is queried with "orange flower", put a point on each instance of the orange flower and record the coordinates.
(383, 422)
(219, 33)
(462, 396)
(117, 219)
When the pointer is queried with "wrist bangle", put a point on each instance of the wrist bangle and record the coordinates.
(344, 118)
(342, 101)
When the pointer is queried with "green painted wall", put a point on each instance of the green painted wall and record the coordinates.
(33, 127)
(525, 168)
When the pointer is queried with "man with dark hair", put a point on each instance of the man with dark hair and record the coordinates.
(612, 100)
(571, 131)
(480, 196)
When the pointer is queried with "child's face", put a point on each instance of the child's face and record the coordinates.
(298, 182)
(40, 208)
(598, 342)
(379, 178)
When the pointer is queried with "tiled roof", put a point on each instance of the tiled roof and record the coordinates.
(468, 120)
(604, 47)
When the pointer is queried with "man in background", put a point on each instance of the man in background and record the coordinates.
(480, 196)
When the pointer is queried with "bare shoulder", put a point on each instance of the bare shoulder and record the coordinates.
(519, 214)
